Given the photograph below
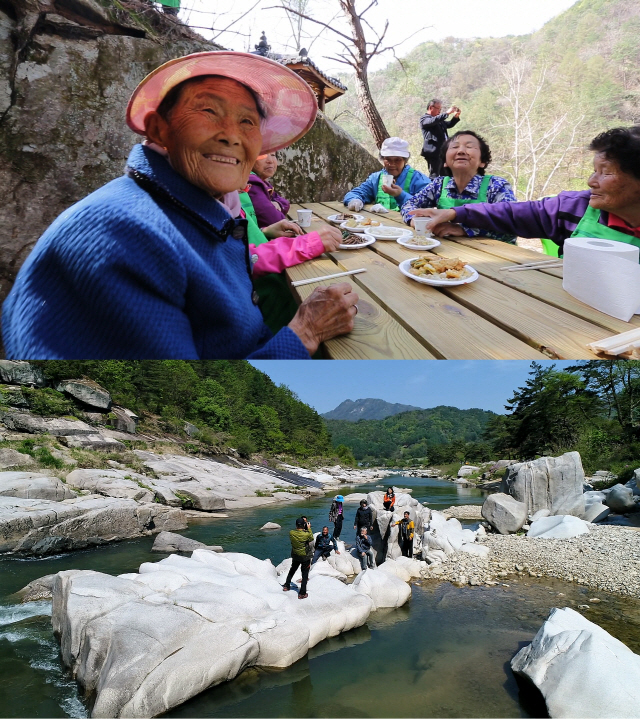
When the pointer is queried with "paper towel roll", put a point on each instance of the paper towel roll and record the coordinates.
(603, 274)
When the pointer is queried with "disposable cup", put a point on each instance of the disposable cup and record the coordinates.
(304, 218)
(387, 180)
(420, 225)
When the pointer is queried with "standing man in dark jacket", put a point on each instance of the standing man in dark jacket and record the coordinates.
(301, 552)
(325, 542)
(364, 518)
(434, 126)
(405, 535)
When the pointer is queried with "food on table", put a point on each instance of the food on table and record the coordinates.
(422, 241)
(342, 216)
(362, 223)
(385, 231)
(440, 268)
(348, 238)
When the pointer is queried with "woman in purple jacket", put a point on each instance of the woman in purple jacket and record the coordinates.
(270, 207)
(609, 209)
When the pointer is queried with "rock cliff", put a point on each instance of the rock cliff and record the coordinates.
(67, 69)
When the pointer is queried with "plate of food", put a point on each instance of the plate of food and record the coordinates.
(353, 241)
(343, 217)
(418, 242)
(363, 225)
(438, 271)
(385, 232)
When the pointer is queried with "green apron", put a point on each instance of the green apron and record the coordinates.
(447, 203)
(387, 200)
(590, 227)
(276, 301)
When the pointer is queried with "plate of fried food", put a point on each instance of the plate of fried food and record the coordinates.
(385, 232)
(343, 217)
(418, 242)
(363, 225)
(438, 271)
(353, 241)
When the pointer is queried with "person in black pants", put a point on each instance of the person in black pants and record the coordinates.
(301, 552)
(336, 515)
(325, 544)
(364, 518)
(405, 535)
(434, 126)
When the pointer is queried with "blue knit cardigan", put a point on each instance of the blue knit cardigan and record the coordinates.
(146, 269)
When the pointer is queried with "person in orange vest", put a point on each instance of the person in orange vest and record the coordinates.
(389, 499)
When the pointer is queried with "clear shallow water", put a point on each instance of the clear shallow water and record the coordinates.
(444, 654)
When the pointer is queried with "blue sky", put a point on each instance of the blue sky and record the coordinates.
(486, 384)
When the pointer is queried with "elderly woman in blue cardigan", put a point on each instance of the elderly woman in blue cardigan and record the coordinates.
(156, 264)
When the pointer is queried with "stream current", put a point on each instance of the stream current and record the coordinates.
(445, 653)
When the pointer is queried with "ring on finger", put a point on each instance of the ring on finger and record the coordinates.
(356, 306)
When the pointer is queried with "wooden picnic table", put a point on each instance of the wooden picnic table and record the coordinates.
(502, 315)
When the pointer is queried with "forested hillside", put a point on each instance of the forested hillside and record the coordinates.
(538, 99)
(229, 398)
(411, 434)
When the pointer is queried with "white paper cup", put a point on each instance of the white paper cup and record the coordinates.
(420, 225)
(304, 217)
(387, 180)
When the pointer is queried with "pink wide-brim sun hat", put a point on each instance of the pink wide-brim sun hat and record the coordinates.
(290, 104)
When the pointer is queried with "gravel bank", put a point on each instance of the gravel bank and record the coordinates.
(464, 511)
(608, 558)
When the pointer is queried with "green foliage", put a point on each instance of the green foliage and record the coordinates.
(46, 459)
(47, 402)
(436, 436)
(223, 398)
(345, 455)
(245, 448)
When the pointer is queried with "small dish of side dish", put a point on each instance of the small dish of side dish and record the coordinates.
(362, 225)
(351, 241)
(344, 217)
(438, 271)
(418, 243)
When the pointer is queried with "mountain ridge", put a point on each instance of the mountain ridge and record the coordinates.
(368, 408)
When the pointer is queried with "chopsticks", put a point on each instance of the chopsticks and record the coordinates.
(298, 283)
(539, 265)
(625, 342)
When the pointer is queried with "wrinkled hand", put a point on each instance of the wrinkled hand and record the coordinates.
(449, 229)
(283, 228)
(327, 313)
(438, 217)
(331, 237)
(451, 109)
(355, 205)
(393, 190)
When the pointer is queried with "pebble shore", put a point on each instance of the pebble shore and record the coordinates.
(608, 558)
(464, 511)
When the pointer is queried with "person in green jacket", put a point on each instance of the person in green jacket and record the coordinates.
(301, 553)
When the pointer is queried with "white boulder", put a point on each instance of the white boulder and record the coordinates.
(385, 590)
(581, 670)
(558, 527)
(620, 499)
(32, 485)
(504, 513)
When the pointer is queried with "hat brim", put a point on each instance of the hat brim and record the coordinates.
(406, 155)
(289, 102)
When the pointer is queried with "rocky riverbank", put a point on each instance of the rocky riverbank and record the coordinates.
(607, 558)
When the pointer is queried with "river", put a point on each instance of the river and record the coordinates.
(444, 654)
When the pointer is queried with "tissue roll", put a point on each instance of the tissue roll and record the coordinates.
(603, 274)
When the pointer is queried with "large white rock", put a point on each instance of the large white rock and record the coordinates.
(32, 485)
(596, 512)
(383, 588)
(144, 643)
(581, 670)
(87, 391)
(504, 513)
(553, 483)
(620, 499)
(558, 527)
(113, 483)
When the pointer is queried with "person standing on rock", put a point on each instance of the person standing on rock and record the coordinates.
(405, 535)
(364, 549)
(364, 518)
(336, 515)
(325, 542)
(301, 553)
(389, 499)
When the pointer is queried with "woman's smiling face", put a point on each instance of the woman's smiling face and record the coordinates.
(212, 134)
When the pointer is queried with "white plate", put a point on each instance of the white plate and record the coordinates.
(410, 245)
(398, 232)
(405, 266)
(333, 218)
(369, 241)
(366, 228)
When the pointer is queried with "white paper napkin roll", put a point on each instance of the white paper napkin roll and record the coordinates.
(603, 274)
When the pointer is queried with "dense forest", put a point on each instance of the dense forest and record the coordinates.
(230, 401)
(412, 437)
(538, 99)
